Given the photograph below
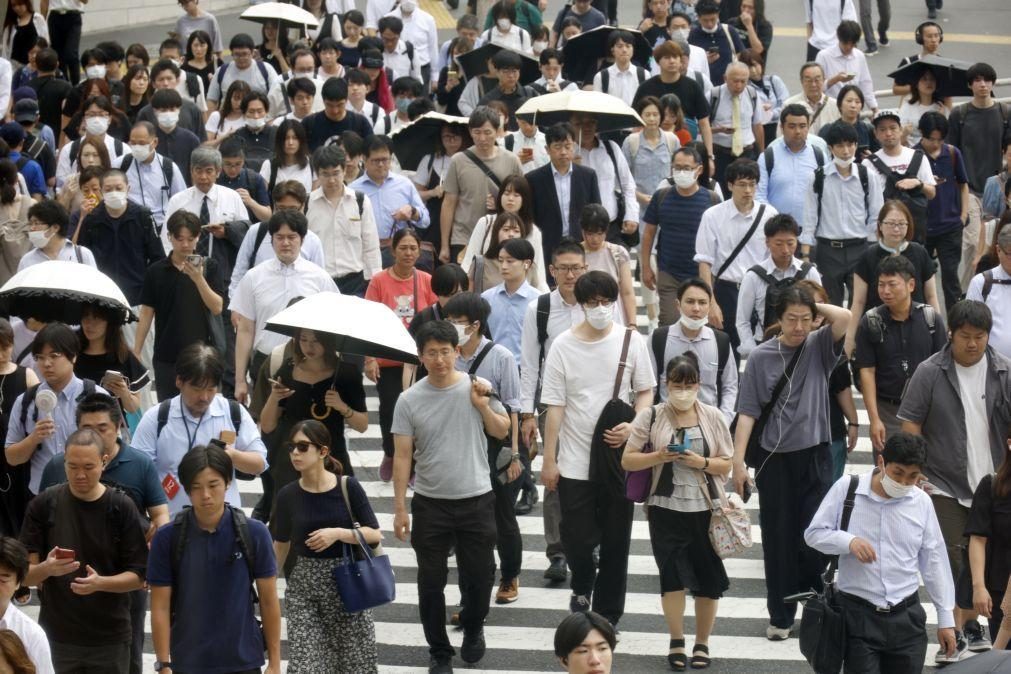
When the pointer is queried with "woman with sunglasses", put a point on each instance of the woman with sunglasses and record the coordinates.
(312, 383)
(313, 525)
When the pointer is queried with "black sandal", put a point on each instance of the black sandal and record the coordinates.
(700, 661)
(677, 661)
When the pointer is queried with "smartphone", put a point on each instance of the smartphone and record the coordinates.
(452, 73)
(209, 225)
(112, 375)
(275, 382)
(680, 444)
(713, 50)
(195, 260)
(63, 553)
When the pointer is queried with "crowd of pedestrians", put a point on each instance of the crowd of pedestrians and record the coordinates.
(791, 236)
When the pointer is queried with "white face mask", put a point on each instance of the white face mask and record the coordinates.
(96, 126)
(682, 400)
(684, 179)
(140, 152)
(893, 488)
(504, 24)
(96, 72)
(256, 123)
(599, 317)
(114, 200)
(843, 163)
(168, 120)
(408, 6)
(539, 45)
(710, 30)
(680, 34)
(694, 323)
(461, 334)
(39, 238)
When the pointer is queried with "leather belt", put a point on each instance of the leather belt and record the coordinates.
(841, 243)
(902, 605)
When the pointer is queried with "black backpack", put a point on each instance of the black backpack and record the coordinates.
(543, 313)
(659, 344)
(819, 188)
(167, 171)
(605, 78)
(877, 326)
(495, 445)
(989, 280)
(776, 288)
(915, 200)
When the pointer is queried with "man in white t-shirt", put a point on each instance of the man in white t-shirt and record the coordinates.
(576, 396)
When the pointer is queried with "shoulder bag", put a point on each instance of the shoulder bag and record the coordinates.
(605, 461)
(364, 576)
(729, 526)
(638, 482)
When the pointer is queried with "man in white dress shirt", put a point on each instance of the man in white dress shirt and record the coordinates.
(13, 569)
(267, 289)
(822, 18)
(993, 287)
(420, 31)
(622, 78)
(617, 186)
(730, 241)
(892, 530)
(843, 63)
(399, 55)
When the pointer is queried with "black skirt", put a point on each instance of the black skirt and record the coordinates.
(684, 555)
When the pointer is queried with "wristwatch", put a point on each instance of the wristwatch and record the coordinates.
(527, 415)
(158, 666)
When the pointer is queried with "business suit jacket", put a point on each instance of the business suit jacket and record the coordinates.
(584, 190)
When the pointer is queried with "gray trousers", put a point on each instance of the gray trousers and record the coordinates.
(867, 23)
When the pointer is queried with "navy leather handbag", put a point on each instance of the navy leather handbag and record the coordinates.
(364, 576)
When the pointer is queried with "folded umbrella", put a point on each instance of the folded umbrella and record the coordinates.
(590, 46)
(362, 327)
(984, 663)
(475, 62)
(284, 13)
(612, 113)
(951, 75)
(59, 291)
(413, 141)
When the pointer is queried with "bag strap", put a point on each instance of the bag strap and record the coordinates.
(480, 357)
(484, 168)
(621, 362)
(347, 502)
(778, 390)
(844, 523)
(742, 243)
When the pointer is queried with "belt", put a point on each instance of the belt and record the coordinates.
(842, 243)
(890, 401)
(61, 12)
(901, 606)
(736, 284)
(720, 149)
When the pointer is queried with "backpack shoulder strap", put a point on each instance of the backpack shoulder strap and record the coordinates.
(480, 357)
(127, 162)
(273, 175)
(510, 142)
(770, 159)
(543, 312)
(722, 358)
(27, 400)
(263, 73)
(987, 287)
(235, 411)
(864, 184)
(819, 158)
(658, 341)
(180, 530)
(246, 546)
(261, 234)
(633, 144)
(360, 200)
(605, 80)
(163, 415)
(641, 74)
(914, 164)
(759, 271)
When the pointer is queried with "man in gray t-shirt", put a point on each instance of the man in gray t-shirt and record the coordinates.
(440, 423)
(792, 461)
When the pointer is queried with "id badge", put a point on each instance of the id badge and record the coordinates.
(170, 485)
(227, 437)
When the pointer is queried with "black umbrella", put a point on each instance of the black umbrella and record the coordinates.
(950, 74)
(590, 46)
(413, 141)
(475, 62)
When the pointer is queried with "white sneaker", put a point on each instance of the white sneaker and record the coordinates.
(961, 651)
(773, 633)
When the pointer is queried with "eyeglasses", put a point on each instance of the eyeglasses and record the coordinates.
(567, 269)
(50, 358)
(331, 175)
(895, 224)
(302, 446)
(593, 304)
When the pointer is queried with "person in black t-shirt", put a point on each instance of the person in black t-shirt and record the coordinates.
(335, 118)
(86, 551)
(181, 299)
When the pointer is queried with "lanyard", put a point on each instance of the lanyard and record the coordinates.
(191, 439)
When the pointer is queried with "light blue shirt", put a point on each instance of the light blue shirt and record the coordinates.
(183, 431)
(312, 250)
(845, 214)
(395, 192)
(650, 165)
(499, 368)
(146, 183)
(787, 187)
(506, 318)
(905, 536)
(66, 424)
(66, 254)
(563, 187)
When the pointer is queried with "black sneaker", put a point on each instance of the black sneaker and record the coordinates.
(579, 603)
(440, 664)
(557, 572)
(961, 651)
(472, 648)
(883, 38)
(931, 13)
(976, 637)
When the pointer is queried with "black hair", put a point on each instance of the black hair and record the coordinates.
(353, 144)
(436, 331)
(683, 369)
(406, 85)
(501, 11)
(559, 133)
(96, 403)
(203, 37)
(689, 151)
(51, 212)
(897, 265)
(794, 110)
(393, 23)
(568, 246)
(161, 66)
(166, 99)
(280, 138)
(6, 334)
(694, 282)
(742, 169)
(300, 85)
(200, 365)
(837, 134)
(295, 220)
(356, 76)
(237, 87)
(484, 115)
(849, 32)
(255, 96)
(14, 556)
(93, 56)
(781, 222)
(58, 337)
(448, 279)
(617, 36)
(594, 218)
(596, 285)
(794, 296)
(328, 156)
(183, 220)
(231, 147)
(402, 234)
(984, 70)
(170, 43)
(47, 60)
(319, 435)
(241, 41)
(200, 458)
(707, 7)
(905, 449)
(507, 60)
(469, 305)
(571, 632)
(113, 50)
(549, 53)
(970, 313)
(419, 106)
(933, 121)
(328, 44)
(355, 17)
(85, 437)
(518, 249)
(376, 143)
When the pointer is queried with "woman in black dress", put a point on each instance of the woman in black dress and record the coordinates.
(14, 380)
(314, 383)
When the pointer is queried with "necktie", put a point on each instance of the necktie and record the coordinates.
(737, 142)
(205, 212)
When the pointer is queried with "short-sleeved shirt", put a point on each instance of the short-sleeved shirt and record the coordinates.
(469, 183)
(298, 513)
(688, 91)
(213, 575)
(450, 447)
(800, 417)
(94, 366)
(499, 368)
(906, 344)
(677, 219)
(945, 212)
(405, 297)
(867, 269)
(319, 128)
(180, 315)
(990, 517)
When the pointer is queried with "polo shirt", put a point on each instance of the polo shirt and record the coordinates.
(180, 315)
(906, 344)
(677, 219)
(213, 575)
(506, 318)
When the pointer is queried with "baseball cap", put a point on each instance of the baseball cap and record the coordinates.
(887, 113)
(22, 93)
(26, 110)
(12, 133)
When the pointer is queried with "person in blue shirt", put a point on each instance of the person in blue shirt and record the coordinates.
(13, 134)
(721, 43)
(509, 300)
(785, 186)
(215, 571)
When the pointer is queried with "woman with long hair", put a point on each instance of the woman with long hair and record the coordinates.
(103, 351)
(649, 152)
(451, 78)
(14, 380)
(691, 458)
(221, 123)
(432, 169)
(199, 60)
(23, 26)
(407, 290)
(922, 99)
(354, 29)
(490, 231)
(13, 656)
(291, 157)
(753, 28)
(274, 47)
(137, 83)
(96, 103)
(672, 118)
(312, 529)
(13, 220)
(379, 89)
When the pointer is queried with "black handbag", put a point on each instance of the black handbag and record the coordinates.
(822, 623)
(605, 461)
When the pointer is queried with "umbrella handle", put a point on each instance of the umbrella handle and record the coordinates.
(77, 230)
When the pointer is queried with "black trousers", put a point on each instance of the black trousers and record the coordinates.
(389, 387)
(508, 541)
(65, 38)
(726, 294)
(947, 248)
(352, 284)
(165, 380)
(791, 485)
(812, 52)
(836, 267)
(890, 643)
(138, 607)
(592, 516)
(438, 525)
(228, 381)
(722, 158)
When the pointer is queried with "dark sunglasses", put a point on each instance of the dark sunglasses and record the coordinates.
(301, 447)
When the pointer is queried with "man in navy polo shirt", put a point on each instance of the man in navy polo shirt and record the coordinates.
(213, 574)
(676, 212)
